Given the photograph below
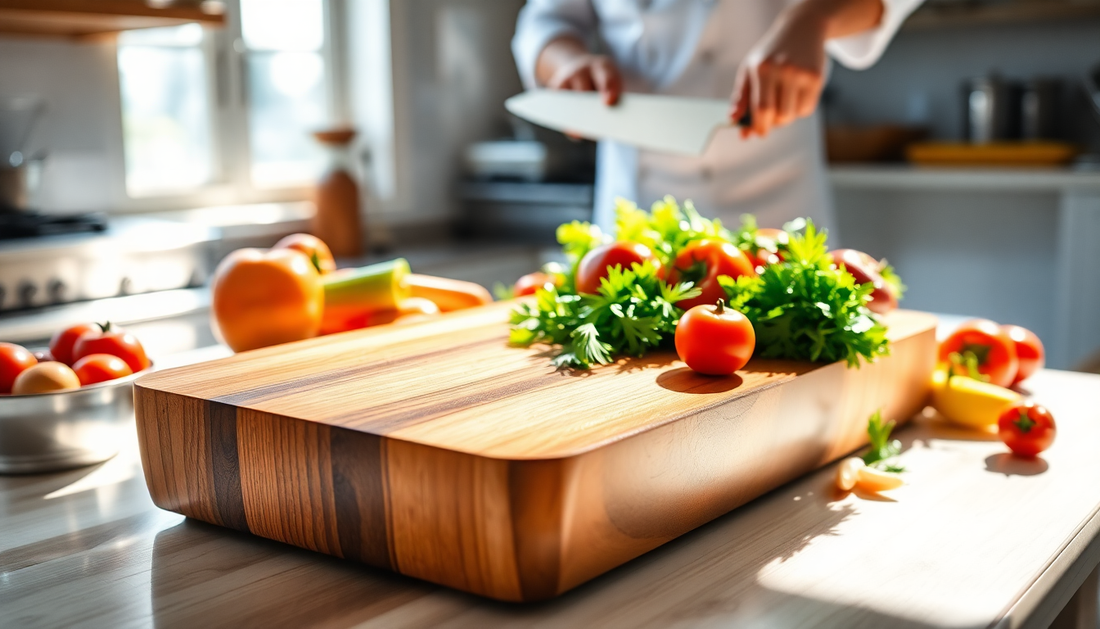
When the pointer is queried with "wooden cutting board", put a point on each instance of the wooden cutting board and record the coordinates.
(438, 451)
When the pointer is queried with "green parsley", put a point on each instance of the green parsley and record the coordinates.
(882, 448)
(633, 312)
(805, 308)
(801, 308)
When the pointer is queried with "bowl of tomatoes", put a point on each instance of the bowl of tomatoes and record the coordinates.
(69, 405)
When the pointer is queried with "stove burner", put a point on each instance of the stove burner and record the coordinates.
(32, 224)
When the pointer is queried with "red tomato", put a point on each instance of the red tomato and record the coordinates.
(865, 269)
(1029, 351)
(770, 245)
(702, 262)
(994, 349)
(595, 263)
(100, 368)
(14, 359)
(61, 345)
(528, 284)
(715, 340)
(43, 356)
(1026, 428)
(113, 341)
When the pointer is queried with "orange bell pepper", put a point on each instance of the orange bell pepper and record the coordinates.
(263, 298)
(314, 248)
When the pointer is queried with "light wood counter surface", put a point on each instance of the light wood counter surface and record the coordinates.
(975, 539)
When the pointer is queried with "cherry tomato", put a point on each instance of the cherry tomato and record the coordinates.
(595, 263)
(528, 284)
(1029, 351)
(865, 269)
(43, 356)
(61, 345)
(100, 368)
(703, 262)
(314, 248)
(715, 340)
(45, 378)
(992, 346)
(14, 360)
(1026, 428)
(113, 341)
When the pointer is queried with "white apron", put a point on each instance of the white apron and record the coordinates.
(693, 48)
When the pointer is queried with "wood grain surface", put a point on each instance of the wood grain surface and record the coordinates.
(975, 539)
(439, 452)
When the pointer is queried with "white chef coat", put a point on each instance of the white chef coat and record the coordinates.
(694, 48)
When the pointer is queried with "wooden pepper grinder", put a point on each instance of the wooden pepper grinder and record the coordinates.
(337, 220)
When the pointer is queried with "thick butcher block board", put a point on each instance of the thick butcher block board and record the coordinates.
(438, 451)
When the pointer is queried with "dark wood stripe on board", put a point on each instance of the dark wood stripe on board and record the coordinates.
(221, 422)
(357, 484)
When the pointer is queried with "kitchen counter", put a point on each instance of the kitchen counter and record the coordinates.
(975, 539)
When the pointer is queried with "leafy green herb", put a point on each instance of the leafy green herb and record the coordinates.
(633, 312)
(882, 448)
(802, 308)
(805, 308)
(890, 276)
(667, 227)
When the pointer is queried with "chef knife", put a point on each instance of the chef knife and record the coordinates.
(652, 121)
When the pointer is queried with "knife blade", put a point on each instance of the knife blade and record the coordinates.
(657, 122)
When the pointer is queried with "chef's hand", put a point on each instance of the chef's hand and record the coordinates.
(782, 77)
(565, 64)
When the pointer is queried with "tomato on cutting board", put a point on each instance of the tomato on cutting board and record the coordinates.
(715, 340)
(595, 264)
(95, 368)
(770, 245)
(703, 262)
(1029, 351)
(14, 360)
(1026, 428)
(530, 283)
(992, 347)
(867, 270)
(113, 340)
(61, 345)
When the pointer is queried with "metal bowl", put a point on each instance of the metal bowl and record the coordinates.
(54, 431)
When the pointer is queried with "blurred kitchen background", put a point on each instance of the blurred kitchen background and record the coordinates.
(142, 140)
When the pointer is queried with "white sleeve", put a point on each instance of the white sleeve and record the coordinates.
(542, 21)
(861, 50)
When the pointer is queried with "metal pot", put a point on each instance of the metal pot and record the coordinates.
(991, 108)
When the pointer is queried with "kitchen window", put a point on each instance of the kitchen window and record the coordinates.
(166, 109)
(230, 108)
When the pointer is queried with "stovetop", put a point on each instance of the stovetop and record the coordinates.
(15, 225)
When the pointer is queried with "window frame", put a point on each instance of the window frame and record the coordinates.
(227, 92)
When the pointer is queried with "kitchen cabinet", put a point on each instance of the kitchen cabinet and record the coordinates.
(949, 13)
(1013, 245)
(95, 18)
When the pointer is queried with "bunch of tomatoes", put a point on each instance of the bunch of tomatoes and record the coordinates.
(712, 338)
(78, 356)
(997, 357)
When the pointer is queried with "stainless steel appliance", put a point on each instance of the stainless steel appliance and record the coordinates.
(123, 256)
